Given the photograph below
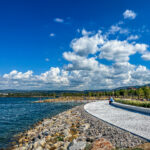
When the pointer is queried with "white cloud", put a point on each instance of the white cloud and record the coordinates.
(79, 62)
(54, 76)
(120, 51)
(47, 59)
(52, 79)
(52, 34)
(84, 69)
(18, 75)
(87, 45)
(85, 72)
(115, 28)
(59, 20)
(86, 33)
(133, 37)
(146, 56)
(99, 77)
(129, 14)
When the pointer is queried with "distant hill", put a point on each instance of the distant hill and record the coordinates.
(127, 87)
(66, 91)
(37, 91)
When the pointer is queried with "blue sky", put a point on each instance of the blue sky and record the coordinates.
(38, 35)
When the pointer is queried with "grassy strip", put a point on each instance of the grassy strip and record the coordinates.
(71, 98)
(145, 104)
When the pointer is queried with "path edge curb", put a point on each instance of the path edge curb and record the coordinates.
(132, 108)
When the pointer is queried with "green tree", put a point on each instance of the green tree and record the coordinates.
(146, 92)
(54, 95)
(132, 92)
(125, 93)
(140, 93)
(89, 94)
(117, 93)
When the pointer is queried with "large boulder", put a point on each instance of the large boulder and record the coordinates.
(102, 144)
(77, 145)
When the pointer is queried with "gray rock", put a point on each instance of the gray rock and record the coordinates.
(77, 145)
(39, 148)
(42, 142)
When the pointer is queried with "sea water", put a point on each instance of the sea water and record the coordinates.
(19, 114)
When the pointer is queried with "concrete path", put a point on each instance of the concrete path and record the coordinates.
(136, 123)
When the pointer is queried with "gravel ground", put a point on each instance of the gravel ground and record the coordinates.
(71, 130)
(136, 123)
(118, 137)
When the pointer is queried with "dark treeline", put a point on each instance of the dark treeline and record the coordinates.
(135, 93)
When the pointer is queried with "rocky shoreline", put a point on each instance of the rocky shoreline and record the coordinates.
(75, 129)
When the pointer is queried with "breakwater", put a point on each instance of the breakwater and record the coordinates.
(75, 129)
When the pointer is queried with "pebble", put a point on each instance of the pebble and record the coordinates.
(102, 144)
(42, 142)
(36, 144)
(39, 148)
(77, 145)
(74, 130)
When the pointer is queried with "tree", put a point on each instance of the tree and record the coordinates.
(89, 94)
(140, 93)
(147, 92)
(125, 93)
(97, 94)
(122, 92)
(132, 92)
(54, 95)
(117, 93)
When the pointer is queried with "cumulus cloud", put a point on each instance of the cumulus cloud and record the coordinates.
(79, 62)
(116, 28)
(85, 72)
(99, 77)
(18, 75)
(54, 76)
(51, 79)
(129, 14)
(86, 33)
(146, 56)
(120, 51)
(87, 44)
(59, 20)
(133, 37)
(85, 69)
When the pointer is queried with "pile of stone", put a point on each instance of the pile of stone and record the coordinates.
(66, 130)
(75, 130)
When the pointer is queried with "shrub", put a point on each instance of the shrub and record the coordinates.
(135, 103)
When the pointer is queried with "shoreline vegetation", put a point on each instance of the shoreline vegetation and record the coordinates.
(133, 102)
(76, 129)
(139, 93)
(134, 94)
(145, 104)
(71, 99)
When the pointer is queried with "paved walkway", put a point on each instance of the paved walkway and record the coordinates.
(136, 123)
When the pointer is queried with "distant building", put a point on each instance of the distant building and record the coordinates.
(131, 88)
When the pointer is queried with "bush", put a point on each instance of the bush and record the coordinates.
(134, 102)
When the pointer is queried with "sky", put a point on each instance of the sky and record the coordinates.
(74, 44)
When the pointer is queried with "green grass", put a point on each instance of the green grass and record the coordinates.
(59, 138)
(145, 104)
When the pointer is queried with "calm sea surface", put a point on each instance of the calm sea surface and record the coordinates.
(19, 114)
